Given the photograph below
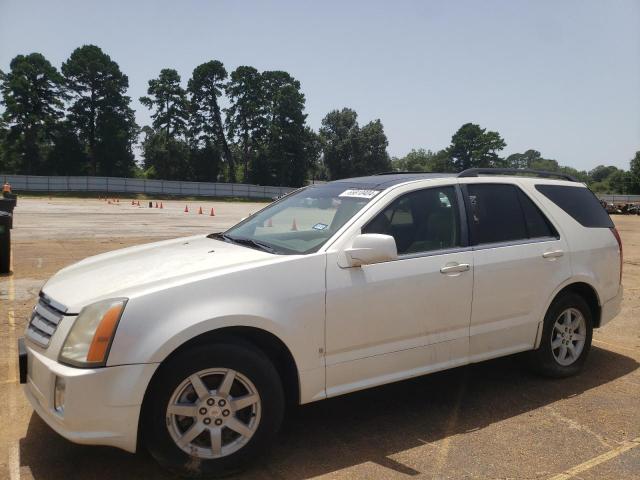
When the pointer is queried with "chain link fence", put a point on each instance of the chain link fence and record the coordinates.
(610, 198)
(38, 183)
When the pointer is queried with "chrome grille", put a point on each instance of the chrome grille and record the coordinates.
(44, 321)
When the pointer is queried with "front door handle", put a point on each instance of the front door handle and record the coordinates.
(456, 268)
(553, 254)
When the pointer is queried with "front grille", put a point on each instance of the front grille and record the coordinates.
(44, 321)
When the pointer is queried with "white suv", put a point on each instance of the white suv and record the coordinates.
(192, 347)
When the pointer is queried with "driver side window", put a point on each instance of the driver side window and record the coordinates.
(421, 221)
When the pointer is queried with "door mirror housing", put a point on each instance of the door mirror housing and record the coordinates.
(370, 248)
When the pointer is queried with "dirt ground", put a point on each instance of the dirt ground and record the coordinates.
(492, 420)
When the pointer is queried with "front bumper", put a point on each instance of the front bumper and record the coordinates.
(611, 307)
(101, 406)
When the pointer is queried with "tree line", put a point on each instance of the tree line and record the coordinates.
(243, 126)
(474, 147)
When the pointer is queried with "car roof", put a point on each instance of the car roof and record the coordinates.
(387, 180)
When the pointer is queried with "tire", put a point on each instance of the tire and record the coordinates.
(548, 359)
(251, 374)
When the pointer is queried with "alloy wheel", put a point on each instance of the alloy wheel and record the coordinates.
(213, 413)
(568, 336)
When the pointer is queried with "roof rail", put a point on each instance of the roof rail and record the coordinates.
(399, 172)
(474, 172)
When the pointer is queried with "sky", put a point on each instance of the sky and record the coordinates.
(561, 76)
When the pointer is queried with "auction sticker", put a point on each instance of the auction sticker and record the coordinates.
(359, 193)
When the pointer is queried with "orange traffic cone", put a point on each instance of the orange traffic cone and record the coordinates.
(294, 226)
(200, 211)
(161, 205)
(212, 214)
(269, 223)
(186, 209)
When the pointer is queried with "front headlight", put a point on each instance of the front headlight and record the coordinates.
(89, 340)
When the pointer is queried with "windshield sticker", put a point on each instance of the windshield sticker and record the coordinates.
(359, 193)
(320, 226)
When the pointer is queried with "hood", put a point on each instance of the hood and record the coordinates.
(122, 271)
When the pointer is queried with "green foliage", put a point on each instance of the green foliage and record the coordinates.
(32, 93)
(475, 147)
(206, 128)
(68, 155)
(100, 111)
(169, 100)
(245, 119)
(523, 160)
(339, 133)
(601, 172)
(373, 156)
(634, 174)
(204, 162)
(261, 137)
(422, 160)
(165, 157)
(283, 154)
(349, 150)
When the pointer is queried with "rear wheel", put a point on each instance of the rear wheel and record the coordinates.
(566, 337)
(213, 409)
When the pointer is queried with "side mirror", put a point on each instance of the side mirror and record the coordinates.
(370, 248)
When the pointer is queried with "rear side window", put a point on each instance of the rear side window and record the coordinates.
(496, 215)
(580, 203)
(537, 224)
(504, 213)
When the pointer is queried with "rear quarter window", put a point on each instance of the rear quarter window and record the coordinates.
(580, 203)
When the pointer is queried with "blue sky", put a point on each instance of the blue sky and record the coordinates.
(562, 77)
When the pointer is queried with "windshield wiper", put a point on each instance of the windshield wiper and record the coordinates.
(245, 242)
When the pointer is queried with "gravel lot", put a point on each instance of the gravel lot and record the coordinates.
(492, 420)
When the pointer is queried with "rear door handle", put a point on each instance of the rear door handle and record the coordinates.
(457, 268)
(553, 254)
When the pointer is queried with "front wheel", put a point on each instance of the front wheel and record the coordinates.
(213, 409)
(566, 337)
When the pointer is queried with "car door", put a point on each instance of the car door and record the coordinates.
(519, 259)
(409, 316)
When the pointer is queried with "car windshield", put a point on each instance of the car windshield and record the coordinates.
(301, 222)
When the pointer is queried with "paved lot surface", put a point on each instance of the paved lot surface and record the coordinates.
(492, 420)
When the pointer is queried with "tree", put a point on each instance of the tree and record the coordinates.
(204, 162)
(4, 131)
(634, 174)
(165, 157)
(372, 151)
(165, 150)
(245, 115)
(422, 160)
(33, 97)
(523, 160)
(339, 133)
(620, 182)
(349, 150)
(100, 111)
(313, 153)
(206, 86)
(68, 155)
(475, 147)
(283, 131)
(169, 100)
(601, 172)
